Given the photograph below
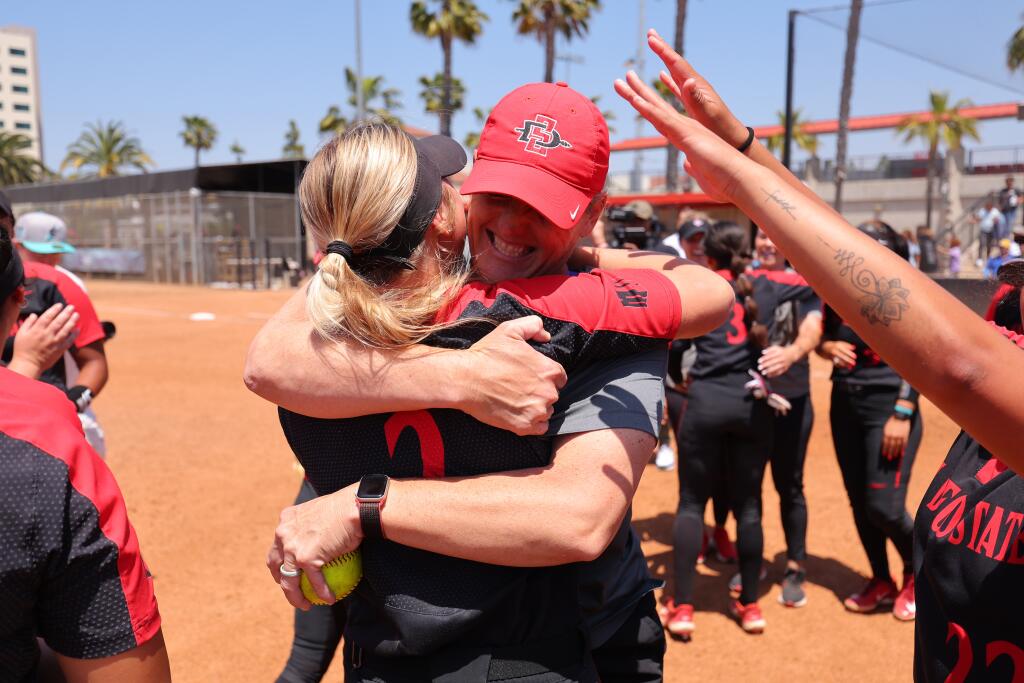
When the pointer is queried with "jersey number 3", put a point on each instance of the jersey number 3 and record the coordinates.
(737, 332)
(431, 445)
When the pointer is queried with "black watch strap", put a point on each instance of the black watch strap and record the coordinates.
(369, 519)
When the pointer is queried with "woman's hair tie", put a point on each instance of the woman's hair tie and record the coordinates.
(342, 249)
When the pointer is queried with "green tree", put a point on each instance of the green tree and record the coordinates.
(199, 134)
(433, 94)
(237, 150)
(453, 20)
(845, 94)
(805, 141)
(16, 166)
(1015, 50)
(944, 126)
(545, 19)
(293, 149)
(108, 148)
(379, 102)
(472, 139)
(333, 122)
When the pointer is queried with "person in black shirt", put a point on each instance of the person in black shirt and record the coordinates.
(876, 429)
(969, 546)
(728, 426)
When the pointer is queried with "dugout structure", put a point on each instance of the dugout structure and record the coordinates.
(235, 225)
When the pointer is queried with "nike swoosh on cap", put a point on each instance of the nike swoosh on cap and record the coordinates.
(572, 214)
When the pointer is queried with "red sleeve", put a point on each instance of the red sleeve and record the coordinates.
(1017, 339)
(89, 328)
(641, 303)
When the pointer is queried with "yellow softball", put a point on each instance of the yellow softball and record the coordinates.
(342, 574)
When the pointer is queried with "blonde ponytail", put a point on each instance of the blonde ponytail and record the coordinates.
(355, 190)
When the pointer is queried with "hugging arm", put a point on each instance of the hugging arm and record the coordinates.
(566, 512)
(502, 381)
(932, 340)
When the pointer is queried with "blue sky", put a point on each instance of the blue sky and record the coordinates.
(250, 67)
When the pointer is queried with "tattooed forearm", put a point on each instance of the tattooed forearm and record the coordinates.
(781, 201)
(884, 300)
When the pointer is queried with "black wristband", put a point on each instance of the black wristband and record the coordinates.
(81, 396)
(749, 141)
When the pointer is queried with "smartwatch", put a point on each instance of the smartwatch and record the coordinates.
(370, 497)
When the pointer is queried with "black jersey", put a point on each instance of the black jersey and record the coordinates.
(415, 602)
(869, 369)
(70, 567)
(969, 569)
(728, 349)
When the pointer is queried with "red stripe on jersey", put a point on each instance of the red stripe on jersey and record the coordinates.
(39, 414)
(89, 327)
(641, 303)
(783, 277)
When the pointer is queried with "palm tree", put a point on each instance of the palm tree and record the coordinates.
(108, 147)
(433, 92)
(545, 19)
(672, 152)
(199, 134)
(943, 125)
(237, 150)
(16, 166)
(845, 93)
(373, 89)
(805, 141)
(293, 149)
(333, 122)
(453, 20)
(1015, 50)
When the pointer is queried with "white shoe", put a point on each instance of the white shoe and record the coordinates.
(665, 460)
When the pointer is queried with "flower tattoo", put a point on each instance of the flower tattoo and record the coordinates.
(884, 300)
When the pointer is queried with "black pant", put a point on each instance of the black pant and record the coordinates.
(636, 652)
(724, 428)
(789, 451)
(876, 486)
(720, 491)
(317, 632)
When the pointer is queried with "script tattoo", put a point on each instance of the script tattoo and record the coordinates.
(780, 200)
(884, 300)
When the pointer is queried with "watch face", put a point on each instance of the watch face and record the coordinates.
(372, 486)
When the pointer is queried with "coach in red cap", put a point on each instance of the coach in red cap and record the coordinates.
(537, 188)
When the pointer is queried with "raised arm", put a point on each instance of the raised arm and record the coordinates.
(930, 338)
(705, 297)
(502, 380)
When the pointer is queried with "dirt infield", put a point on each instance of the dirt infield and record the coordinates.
(205, 470)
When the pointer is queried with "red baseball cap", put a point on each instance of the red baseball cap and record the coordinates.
(544, 144)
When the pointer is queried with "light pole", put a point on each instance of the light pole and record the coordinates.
(787, 142)
(360, 104)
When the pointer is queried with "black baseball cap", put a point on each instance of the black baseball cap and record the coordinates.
(693, 227)
(1012, 272)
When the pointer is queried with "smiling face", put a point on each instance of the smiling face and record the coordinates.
(510, 239)
(767, 253)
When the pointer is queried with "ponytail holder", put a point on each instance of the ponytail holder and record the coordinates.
(342, 249)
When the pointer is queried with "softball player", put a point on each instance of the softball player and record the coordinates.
(728, 425)
(876, 430)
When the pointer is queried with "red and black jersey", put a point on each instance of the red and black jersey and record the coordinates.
(870, 369)
(969, 568)
(413, 602)
(728, 348)
(45, 287)
(70, 568)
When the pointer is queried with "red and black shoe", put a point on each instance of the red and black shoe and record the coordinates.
(905, 607)
(679, 621)
(877, 593)
(750, 617)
